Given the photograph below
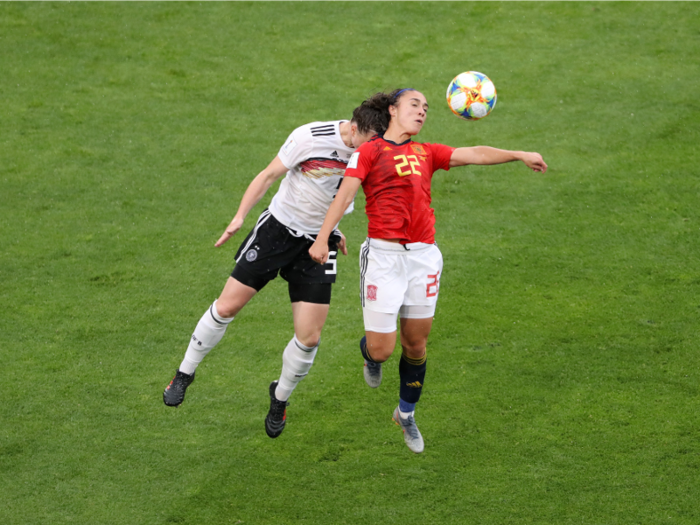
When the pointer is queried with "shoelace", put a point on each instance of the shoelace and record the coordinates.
(279, 407)
(410, 426)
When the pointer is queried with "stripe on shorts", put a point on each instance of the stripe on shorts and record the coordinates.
(363, 270)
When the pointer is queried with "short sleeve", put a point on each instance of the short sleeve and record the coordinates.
(297, 147)
(360, 162)
(441, 156)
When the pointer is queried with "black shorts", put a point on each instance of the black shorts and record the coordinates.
(271, 248)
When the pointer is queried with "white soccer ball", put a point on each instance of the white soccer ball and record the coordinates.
(471, 95)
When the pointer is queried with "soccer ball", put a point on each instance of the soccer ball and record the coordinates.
(471, 95)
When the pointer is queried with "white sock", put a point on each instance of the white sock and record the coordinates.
(405, 415)
(296, 363)
(209, 331)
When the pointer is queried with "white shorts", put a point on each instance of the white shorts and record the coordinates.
(398, 279)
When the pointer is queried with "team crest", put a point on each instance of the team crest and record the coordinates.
(371, 292)
(418, 148)
(251, 255)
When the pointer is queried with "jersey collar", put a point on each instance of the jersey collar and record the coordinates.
(394, 143)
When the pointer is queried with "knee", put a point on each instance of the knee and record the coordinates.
(414, 348)
(227, 309)
(379, 352)
(413, 343)
(309, 339)
(414, 353)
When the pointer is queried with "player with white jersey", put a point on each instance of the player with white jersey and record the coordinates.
(400, 263)
(314, 159)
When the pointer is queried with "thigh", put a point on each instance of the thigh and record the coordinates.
(424, 272)
(309, 319)
(302, 269)
(266, 249)
(380, 345)
(383, 280)
(414, 335)
(234, 297)
(317, 293)
(379, 322)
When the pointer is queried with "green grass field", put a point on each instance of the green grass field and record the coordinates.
(563, 379)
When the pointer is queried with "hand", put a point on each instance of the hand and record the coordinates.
(535, 162)
(342, 244)
(235, 225)
(319, 251)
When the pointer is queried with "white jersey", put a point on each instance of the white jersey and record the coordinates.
(316, 157)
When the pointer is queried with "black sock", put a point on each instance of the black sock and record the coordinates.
(412, 374)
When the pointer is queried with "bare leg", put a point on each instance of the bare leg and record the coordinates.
(309, 319)
(234, 297)
(414, 336)
(380, 345)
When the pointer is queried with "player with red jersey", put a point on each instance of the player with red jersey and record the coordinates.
(400, 264)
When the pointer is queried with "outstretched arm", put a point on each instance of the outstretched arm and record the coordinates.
(485, 155)
(346, 194)
(256, 190)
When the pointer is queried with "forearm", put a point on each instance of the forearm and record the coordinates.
(483, 155)
(258, 187)
(333, 216)
(343, 199)
(253, 194)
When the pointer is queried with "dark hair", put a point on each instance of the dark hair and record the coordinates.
(373, 113)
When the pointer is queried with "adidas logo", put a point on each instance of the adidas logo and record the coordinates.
(335, 154)
(387, 148)
(415, 384)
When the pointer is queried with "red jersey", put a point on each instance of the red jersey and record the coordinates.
(396, 180)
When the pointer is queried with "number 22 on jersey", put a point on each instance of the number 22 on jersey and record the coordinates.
(408, 165)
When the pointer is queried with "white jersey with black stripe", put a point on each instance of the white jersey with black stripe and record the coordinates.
(316, 157)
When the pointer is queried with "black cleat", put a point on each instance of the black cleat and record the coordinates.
(174, 393)
(277, 416)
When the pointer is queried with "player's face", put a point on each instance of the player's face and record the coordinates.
(410, 112)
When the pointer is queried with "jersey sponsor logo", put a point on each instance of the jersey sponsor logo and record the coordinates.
(251, 255)
(352, 163)
(371, 292)
(320, 168)
(289, 147)
(418, 148)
